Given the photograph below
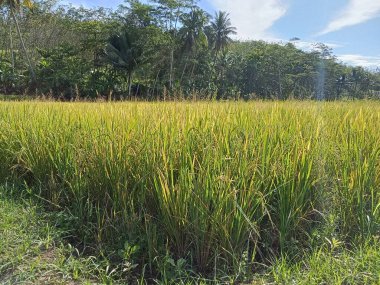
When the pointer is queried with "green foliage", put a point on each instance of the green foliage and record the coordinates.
(192, 33)
(8, 79)
(360, 266)
(165, 49)
(66, 74)
(123, 52)
(220, 31)
(61, 70)
(32, 247)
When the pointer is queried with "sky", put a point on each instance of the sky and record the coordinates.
(350, 27)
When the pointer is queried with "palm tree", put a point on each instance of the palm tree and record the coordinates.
(192, 32)
(221, 31)
(124, 52)
(15, 6)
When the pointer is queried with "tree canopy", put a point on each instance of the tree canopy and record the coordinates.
(160, 48)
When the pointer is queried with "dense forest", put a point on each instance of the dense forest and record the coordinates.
(160, 49)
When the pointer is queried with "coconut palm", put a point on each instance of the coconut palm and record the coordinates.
(14, 6)
(192, 32)
(124, 52)
(221, 31)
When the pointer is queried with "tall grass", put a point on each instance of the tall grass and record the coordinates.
(214, 184)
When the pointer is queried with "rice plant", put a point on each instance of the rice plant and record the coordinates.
(216, 185)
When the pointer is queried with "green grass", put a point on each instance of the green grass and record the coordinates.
(360, 266)
(13, 97)
(172, 191)
(33, 249)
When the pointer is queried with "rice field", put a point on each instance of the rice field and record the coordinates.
(211, 187)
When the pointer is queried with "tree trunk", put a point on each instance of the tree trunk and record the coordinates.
(171, 69)
(183, 72)
(129, 84)
(215, 58)
(33, 75)
(12, 51)
(279, 82)
(155, 82)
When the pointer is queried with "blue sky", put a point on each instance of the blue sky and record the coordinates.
(350, 27)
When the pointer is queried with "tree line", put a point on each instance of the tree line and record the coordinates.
(159, 49)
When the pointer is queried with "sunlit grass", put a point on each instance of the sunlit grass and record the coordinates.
(214, 184)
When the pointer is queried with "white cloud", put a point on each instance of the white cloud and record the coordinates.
(91, 3)
(371, 62)
(252, 18)
(310, 46)
(76, 4)
(356, 12)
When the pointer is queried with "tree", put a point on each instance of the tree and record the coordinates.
(221, 31)
(125, 52)
(138, 14)
(192, 32)
(193, 37)
(169, 13)
(15, 6)
(169, 45)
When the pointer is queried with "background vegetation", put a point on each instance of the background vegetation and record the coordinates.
(159, 50)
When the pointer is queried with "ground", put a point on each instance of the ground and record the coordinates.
(32, 250)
